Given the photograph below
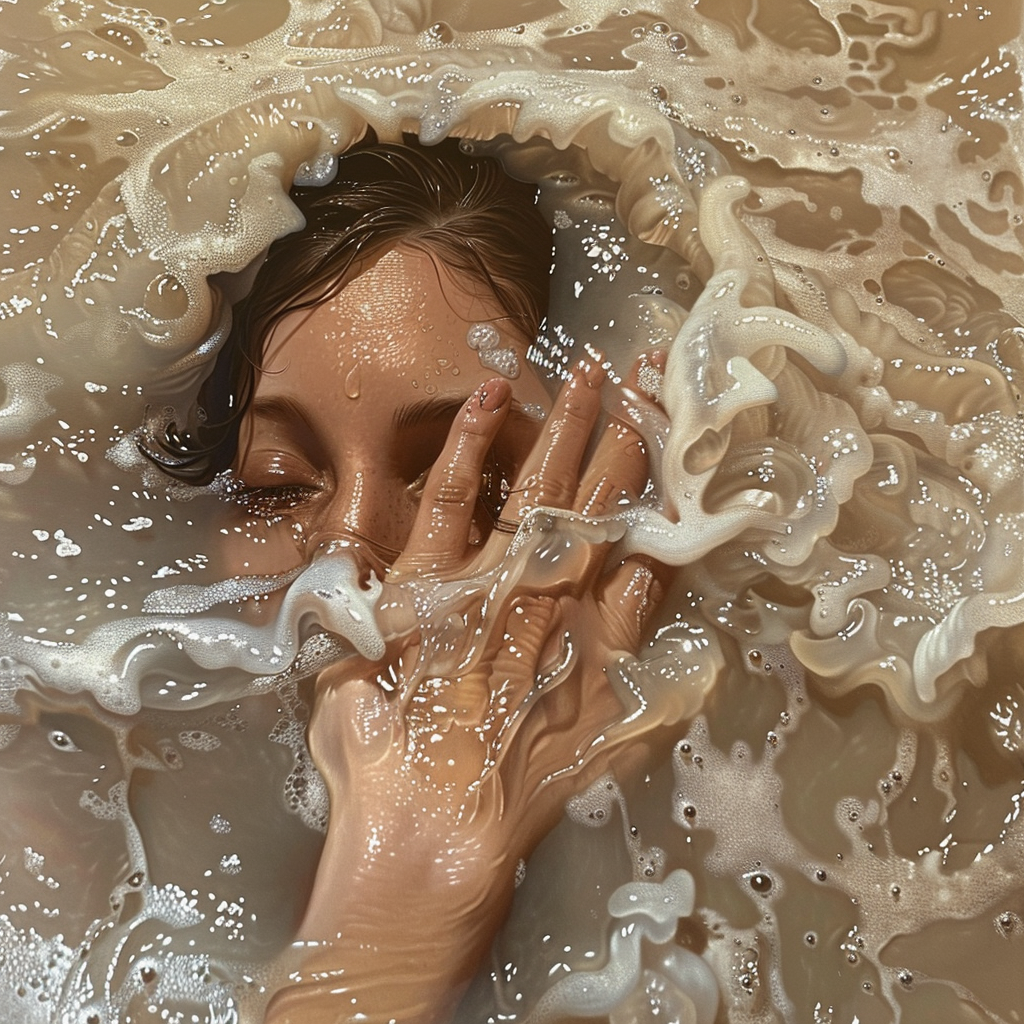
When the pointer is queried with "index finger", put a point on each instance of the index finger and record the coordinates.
(550, 475)
(440, 531)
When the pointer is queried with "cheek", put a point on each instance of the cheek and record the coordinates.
(256, 546)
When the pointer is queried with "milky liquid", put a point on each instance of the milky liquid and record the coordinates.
(818, 209)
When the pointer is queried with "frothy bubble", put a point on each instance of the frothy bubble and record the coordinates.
(830, 264)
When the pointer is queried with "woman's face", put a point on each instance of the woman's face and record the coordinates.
(354, 404)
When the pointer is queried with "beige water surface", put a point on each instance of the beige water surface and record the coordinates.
(817, 207)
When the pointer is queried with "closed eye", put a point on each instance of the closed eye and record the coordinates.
(273, 502)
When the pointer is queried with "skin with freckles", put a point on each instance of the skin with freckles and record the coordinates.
(354, 406)
(375, 421)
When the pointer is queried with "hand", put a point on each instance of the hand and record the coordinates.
(448, 764)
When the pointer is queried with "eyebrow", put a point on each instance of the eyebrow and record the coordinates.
(427, 411)
(281, 409)
(288, 414)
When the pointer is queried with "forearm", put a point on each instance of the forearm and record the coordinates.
(391, 938)
(394, 974)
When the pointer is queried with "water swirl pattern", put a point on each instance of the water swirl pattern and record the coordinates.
(817, 210)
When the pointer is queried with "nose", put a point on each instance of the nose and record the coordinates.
(369, 561)
(371, 509)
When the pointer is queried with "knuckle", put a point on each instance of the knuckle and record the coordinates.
(598, 498)
(576, 420)
(455, 491)
(555, 492)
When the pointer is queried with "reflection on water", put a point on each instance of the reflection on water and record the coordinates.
(818, 208)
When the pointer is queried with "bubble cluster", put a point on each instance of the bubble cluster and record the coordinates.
(814, 212)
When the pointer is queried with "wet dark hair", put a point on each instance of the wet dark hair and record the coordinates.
(463, 210)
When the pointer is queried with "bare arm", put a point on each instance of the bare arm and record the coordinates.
(441, 785)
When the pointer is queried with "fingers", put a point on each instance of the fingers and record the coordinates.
(617, 471)
(441, 529)
(527, 641)
(619, 468)
(629, 596)
(551, 472)
(532, 639)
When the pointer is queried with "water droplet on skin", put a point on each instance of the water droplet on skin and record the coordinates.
(520, 872)
(482, 337)
(501, 360)
(353, 382)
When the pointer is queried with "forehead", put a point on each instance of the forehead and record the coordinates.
(404, 308)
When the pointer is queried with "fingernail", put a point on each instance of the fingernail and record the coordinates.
(494, 394)
(588, 372)
(594, 372)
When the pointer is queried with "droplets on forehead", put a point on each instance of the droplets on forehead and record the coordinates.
(356, 398)
(406, 316)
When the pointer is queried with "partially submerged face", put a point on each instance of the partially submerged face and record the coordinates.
(355, 401)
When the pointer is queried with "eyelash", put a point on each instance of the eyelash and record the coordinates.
(272, 502)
